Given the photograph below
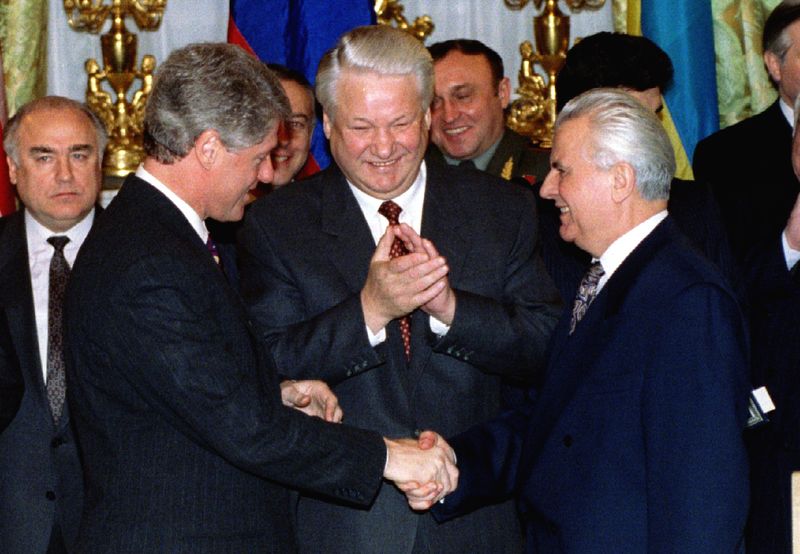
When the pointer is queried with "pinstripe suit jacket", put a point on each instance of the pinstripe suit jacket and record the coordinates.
(186, 444)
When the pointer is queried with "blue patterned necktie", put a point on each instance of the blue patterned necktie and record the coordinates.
(59, 274)
(391, 211)
(587, 290)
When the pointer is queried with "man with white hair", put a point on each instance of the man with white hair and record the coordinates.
(414, 333)
(634, 442)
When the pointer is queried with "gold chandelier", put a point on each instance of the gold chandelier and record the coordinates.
(533, 114)
(390, 12)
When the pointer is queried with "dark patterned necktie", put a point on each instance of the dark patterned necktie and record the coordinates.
(587, 290)
(212, 248)
(59, 274)
(391, 211)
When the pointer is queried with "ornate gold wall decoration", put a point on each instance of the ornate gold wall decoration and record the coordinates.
(122, 117)
(533, 114)
(391, 12)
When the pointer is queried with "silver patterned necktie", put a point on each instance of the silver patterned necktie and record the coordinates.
(59, 274)
(587, 290)
(391, 211)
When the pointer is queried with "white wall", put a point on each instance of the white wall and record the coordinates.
(188, 21)
(491, 22)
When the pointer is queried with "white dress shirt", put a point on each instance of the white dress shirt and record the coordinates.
(621, 248)
(40, 252)
(188, 212)
(411, 202)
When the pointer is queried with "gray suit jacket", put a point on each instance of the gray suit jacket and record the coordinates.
(40, 474)
(305, 255)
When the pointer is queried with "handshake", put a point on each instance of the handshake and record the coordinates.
(424, 469)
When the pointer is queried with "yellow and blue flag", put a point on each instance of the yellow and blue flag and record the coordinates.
(684, 30)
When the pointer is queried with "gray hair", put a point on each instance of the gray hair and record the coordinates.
(375, 49)
(211, 86)
(11, 137)
(622, 130)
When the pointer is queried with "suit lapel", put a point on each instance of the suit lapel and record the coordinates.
(445, 221)
(349, 241)
(16, 302)
(571, 357)
(505, 151)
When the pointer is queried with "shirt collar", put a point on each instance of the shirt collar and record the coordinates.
(370, 204)
(787, 112)
(37, 234)
(481, 161)
(188, 212)
(621, 248)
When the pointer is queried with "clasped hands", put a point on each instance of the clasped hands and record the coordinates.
(424, 469)
(396, 287)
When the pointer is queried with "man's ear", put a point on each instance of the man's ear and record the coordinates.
(504, 92)
(207, 148)
(773, 63)
(12, 170)
(623, 181)
(326, 125)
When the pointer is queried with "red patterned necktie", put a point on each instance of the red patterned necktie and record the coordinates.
(391, 211)
(59, 274)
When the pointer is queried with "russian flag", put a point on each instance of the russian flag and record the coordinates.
(296, 33)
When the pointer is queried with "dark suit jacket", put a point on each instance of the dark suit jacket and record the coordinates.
(693, 210)
(176, 406)
(40, 475)
(634, 444)
(12, 385)
(775, 446)
(305, 255)
(750, 171)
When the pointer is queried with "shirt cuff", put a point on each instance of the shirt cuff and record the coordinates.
(438, 328)
(375, 338)
(791, 255)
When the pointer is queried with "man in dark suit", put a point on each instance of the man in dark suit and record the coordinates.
(634, 442)
(748, 164)
(55, 148)
(773, 280)
(468, 114)
(177, 409)
(421, 339)
(12, 385)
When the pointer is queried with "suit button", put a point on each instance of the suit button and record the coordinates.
(56, 442)
(50, 495)
(567, 440)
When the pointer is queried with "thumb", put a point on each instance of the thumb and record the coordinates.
(427, 440)
(384, 248)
